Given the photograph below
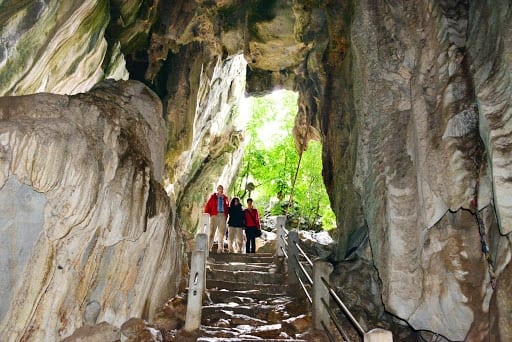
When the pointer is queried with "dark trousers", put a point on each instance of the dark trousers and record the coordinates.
(250, 244)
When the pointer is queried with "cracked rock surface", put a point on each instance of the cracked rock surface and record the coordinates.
(100, 242)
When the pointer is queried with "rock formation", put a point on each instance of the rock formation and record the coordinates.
(56, 46)
(88, 231)
(411, 101)
(408, 155)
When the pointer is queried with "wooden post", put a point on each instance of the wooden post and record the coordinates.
(378, 335)
(196, 285)
(321, 269)
(281, 235)
(293, 267)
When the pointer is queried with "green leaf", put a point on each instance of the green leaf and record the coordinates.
(270, 162)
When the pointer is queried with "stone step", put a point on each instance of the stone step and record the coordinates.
(234, 314)
(251, 258)
(269, 333)
(254, 309)
(242, 266)
(222, 296)
(246, 339)
(245, 286)
(253, 277)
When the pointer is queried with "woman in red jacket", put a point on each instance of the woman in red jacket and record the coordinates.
(217, 206)
(252, 227)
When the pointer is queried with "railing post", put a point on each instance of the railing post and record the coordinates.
(196, 287)
(321, 269)
(293, 267)
(378, 335)
(205, 223)
(202, 245)
(202, 242)
(281, 235)
(205, 229)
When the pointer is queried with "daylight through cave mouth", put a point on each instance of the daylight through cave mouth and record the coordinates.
(274, 171)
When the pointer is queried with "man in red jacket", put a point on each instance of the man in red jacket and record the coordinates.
(217, 206)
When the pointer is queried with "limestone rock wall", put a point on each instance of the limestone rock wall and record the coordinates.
(406, 120)
(216, 142)
(490, 52)
(411, 101)
(100, 243)
(56, 46)
(201, 85)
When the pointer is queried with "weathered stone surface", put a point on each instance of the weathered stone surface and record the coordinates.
(21, 222)
(215, 146)
(172, 314)
(490, 52)
(104, 332)
(359, 288)
(403, 155)
(273, 45)
(55, 46)
(299, 324)
(411, 101)
(100, 243)
(137, 330)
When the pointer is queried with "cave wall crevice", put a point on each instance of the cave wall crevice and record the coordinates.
(405, 157)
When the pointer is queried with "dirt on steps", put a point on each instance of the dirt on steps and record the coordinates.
(247, 298)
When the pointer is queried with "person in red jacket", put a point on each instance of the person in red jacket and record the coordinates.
(252, 227)
(217, 206)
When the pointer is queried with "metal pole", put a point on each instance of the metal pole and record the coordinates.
(343, 307)
(321, 269)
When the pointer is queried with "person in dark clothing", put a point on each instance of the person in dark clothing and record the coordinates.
(252, 227)
(236, 224)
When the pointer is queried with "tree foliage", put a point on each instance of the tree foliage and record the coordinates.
(270, 162)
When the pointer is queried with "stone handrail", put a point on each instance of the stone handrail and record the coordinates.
(197, 279)
(287, 245)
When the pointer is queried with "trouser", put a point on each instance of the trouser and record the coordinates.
(217, 223)
(235, 239)
(250, 244)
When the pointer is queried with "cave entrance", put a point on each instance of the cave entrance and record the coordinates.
(273, 173)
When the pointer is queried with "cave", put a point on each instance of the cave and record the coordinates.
(116, 124)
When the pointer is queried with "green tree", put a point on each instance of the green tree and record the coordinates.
(270, 163)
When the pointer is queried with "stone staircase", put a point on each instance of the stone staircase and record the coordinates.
(248, 299)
